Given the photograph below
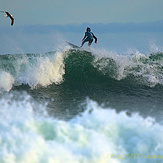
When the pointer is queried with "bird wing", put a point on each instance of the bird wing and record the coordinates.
(12, 19)
(7, 13)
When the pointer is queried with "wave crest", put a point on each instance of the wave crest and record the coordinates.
(33, 69)
(80, 66)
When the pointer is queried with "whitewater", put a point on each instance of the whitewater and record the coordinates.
(81, 106)
(49, 68)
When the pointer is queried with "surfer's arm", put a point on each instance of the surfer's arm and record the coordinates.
(84, 37)
(94, 38)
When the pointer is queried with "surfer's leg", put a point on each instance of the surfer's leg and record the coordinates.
(90, 42)
(84, 41)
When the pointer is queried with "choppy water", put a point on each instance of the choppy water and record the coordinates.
(80, 106)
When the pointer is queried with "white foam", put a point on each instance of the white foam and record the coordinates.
(44, 71)
(6, 81)
(39, 70)
(34, 70)
(120, 66)
(29, 137)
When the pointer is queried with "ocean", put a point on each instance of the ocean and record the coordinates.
(81, 106)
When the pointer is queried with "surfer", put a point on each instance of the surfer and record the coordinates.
(88, 37)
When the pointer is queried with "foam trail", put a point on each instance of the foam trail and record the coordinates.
(90, 138)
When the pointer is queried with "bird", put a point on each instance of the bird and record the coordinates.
(10, 16)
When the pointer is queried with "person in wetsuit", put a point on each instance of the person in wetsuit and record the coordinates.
(88, 37)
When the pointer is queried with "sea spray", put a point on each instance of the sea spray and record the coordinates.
(146, 68)
(32, 69)
(98, 135)
(44, 71)
(60, 66)
(6, 81)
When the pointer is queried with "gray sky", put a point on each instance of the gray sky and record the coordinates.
(81, 11)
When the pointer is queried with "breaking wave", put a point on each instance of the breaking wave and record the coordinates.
(80, 66)
(98, 135)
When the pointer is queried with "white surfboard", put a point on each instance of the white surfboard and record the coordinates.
(72, 45)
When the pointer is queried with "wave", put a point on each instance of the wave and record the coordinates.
(98, 135)
(31, 69)
(75, 66)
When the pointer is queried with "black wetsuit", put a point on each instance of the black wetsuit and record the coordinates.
(89, 38)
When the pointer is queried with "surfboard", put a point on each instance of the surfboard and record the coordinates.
(77, 47)
(72, 45)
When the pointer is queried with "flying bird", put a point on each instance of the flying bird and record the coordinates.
(10, 16)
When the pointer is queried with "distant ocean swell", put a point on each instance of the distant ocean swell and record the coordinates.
(72, 66)
(28, 134)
